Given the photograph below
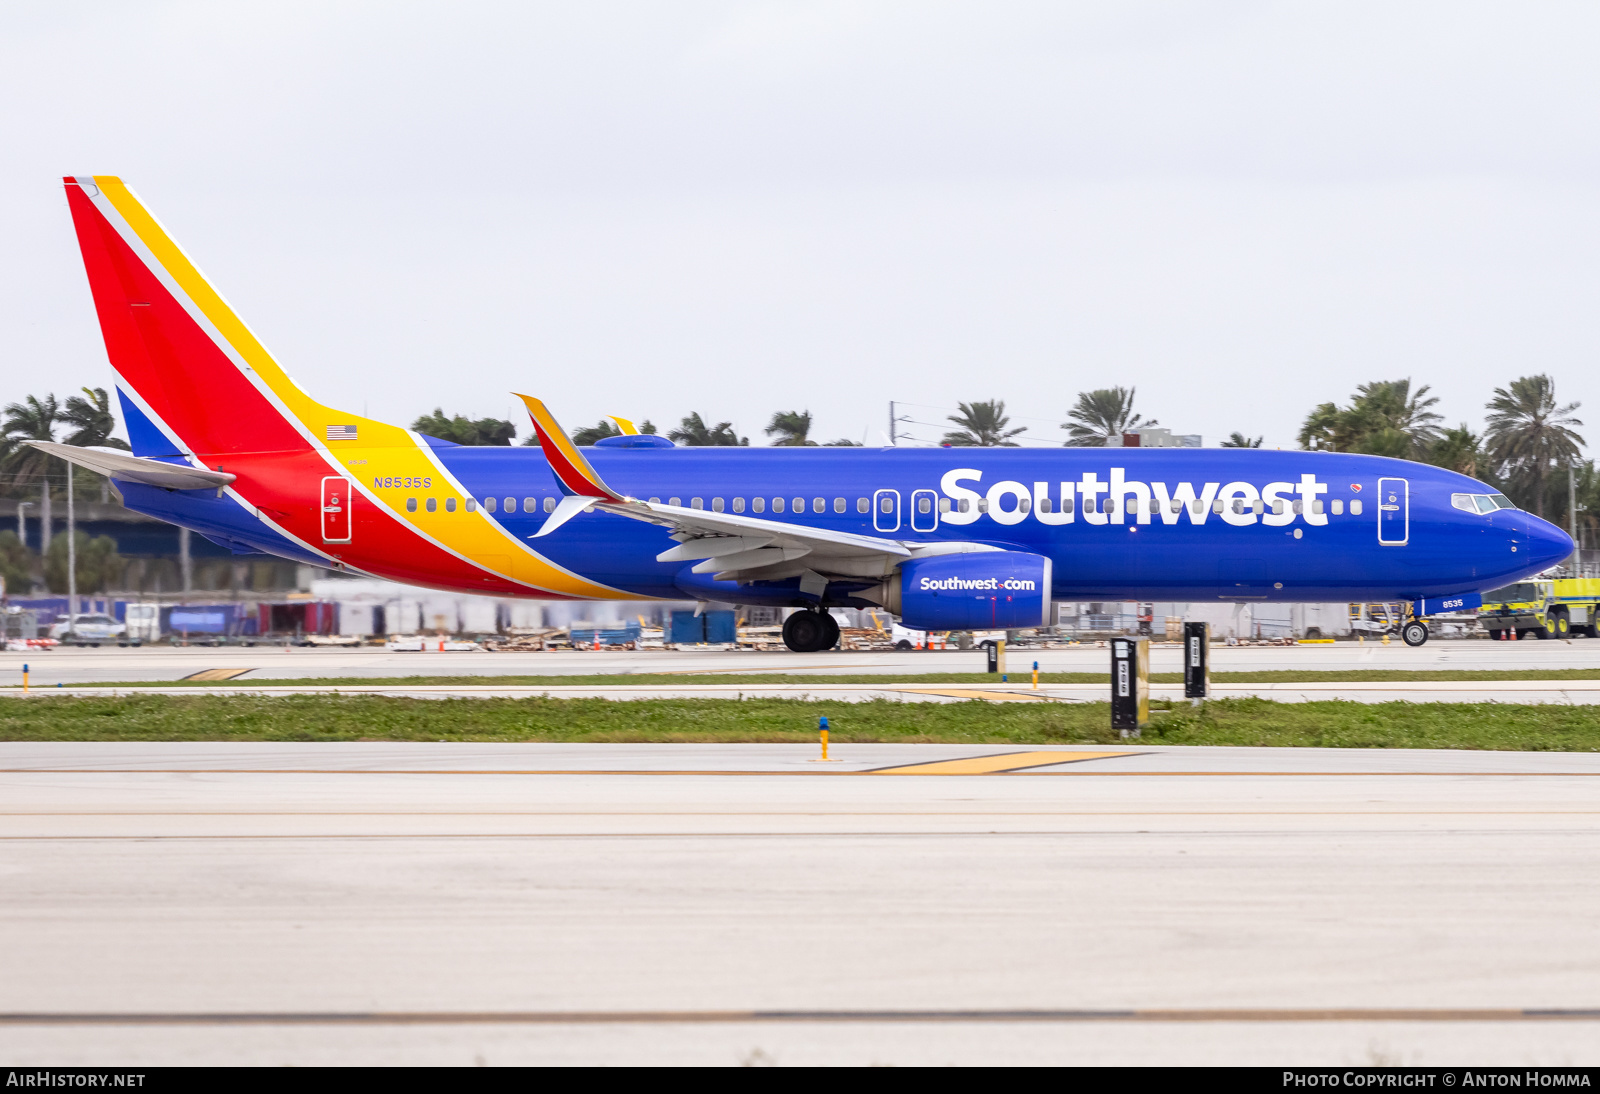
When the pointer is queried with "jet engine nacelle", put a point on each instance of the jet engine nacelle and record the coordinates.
(985, 590)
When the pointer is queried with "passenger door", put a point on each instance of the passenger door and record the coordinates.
(335, 509)
(1394, 512)
(886, 511)
(924, 511)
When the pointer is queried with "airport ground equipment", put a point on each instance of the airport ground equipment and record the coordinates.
(606, 634)
(19, 624)
(1196, 660)
(708, 628)
(1130, 685)
(1542, 608)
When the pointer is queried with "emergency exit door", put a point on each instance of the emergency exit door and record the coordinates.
(1394, 512)
(335, 509)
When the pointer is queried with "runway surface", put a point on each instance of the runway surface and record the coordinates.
(70, 665)
(726, 904)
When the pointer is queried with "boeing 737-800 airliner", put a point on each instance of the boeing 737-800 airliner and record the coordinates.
(224, 443)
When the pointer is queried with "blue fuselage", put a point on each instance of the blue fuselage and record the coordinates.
(1117, 524)
(1324, 552)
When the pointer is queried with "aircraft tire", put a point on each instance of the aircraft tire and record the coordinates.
(803, 632)
(1414, 633)
(830, 631)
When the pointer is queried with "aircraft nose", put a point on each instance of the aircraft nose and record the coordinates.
(1547, 544)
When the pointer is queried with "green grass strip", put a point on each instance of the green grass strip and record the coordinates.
(1254, 722)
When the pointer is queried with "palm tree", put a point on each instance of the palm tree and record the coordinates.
(794, 427)
(1529, 434)
(1384, 418)
(694, 432)
(1316, 435)
(463, 430)
(1459, 450)
(1101, 416)
(983, 425)
(1239, 440)
(599, 431)
(1586, 487)
(93, 420)
(33, 419)
(1394, 420)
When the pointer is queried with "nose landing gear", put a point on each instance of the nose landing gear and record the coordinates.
(809, 631)
(1414, 633)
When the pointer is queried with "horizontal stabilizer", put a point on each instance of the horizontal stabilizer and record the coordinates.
(120, 465)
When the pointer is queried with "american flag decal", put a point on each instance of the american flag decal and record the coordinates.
(341, 433)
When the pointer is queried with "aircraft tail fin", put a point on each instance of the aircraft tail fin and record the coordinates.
(191, 377)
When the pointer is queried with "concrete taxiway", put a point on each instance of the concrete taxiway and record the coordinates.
(421, 903)
(71, 665)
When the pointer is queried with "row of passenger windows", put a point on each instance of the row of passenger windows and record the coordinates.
(529, 505)
(718, 505)
(431, 505)
(924, 505)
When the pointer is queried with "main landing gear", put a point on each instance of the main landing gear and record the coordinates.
(1414, 633)
(809, 631)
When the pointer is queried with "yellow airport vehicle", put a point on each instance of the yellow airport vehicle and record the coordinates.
(1542, 608)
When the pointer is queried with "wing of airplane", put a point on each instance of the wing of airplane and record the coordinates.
(119, 464)
(732, 546)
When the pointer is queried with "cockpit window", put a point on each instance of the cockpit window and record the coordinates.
(1480, 503)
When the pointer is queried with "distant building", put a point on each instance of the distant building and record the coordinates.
(1155, 436)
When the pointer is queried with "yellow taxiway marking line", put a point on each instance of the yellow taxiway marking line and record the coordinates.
(753, 671)
(964, 693)
(216, 674)
(994, 765)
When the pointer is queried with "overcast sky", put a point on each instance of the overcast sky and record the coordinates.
(1243, 209)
